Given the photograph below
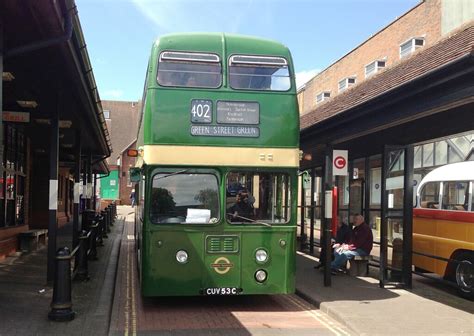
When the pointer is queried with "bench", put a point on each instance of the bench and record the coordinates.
(359, 265)
(31, 240)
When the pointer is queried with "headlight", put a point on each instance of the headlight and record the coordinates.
(260, 275)
(261, 256)
(182, 256)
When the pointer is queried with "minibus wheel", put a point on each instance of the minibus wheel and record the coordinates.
(465, 276)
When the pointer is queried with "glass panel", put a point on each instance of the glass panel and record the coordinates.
(184, 198)
(357, 196)
(455, 196)
(441, 156)
(453, 155)
(343, 191)
(428, 155)
(375, 186)
(429, 196)
(189, 74)
(259, 77)
(20, 211)
(417, 159)
(264, 197)
(395, 180)
(375, 221)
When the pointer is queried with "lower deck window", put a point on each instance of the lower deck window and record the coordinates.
(257, 197)
(184, 198)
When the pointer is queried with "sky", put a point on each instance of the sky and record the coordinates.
(119, 33)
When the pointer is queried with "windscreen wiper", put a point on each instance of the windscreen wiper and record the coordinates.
(251, 220)
(171, 174)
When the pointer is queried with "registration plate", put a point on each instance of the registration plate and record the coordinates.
(221, 291)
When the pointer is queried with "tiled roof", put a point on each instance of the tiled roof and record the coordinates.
(449, 49)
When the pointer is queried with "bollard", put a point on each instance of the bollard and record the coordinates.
(109, 219)
(93, 240)
(87, 218)
(104, 223)
(83, 267)
(111, 216)
(61, 305)
(100, 222)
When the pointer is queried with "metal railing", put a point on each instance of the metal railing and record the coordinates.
(96, 226)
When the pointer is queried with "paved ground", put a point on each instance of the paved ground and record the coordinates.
(238, 315)
(25, 297)
(366, 309)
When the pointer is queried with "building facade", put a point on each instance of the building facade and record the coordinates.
(122, 121)
(422, 26)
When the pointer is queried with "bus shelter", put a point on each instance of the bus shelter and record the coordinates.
(428, 96)
(52, 131)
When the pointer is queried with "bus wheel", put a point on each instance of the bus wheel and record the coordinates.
(465, 276)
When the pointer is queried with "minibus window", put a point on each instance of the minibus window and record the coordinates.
(429, 196)
(455, 195)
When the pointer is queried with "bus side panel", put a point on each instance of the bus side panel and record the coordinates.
(280, 268)
(440, 233)
(162, 274)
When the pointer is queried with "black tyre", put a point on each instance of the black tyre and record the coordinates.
(465, 276)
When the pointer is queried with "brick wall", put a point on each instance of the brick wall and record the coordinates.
(424, 20)
(125, 189)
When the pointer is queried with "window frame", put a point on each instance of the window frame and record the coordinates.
(376, 68)
(171, 170)
(247, 171)
(287, 64)
(413, 46)
(189, 61)
(346, 82)
(323, 96)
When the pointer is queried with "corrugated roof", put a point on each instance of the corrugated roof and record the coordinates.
(447, 50)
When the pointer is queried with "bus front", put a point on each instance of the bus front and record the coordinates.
(219, 141)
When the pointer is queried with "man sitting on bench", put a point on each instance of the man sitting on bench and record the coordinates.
(360, 244)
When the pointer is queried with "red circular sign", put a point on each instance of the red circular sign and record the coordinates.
(339, 162)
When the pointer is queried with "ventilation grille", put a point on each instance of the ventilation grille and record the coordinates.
(222, 244)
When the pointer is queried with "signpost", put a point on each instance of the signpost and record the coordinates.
(339, 162)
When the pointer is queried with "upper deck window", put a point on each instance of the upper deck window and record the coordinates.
(264, 73)
(186, 69)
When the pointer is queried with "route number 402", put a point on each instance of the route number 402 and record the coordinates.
(201, 111)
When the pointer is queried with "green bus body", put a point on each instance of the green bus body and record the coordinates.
(221, 254)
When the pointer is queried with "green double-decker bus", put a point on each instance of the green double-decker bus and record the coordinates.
(217, 167)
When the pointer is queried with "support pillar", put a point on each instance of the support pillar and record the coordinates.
(408, 216)
(76, 227)
(89, 182)
(327, 216)
(311, 223)
(53, 193)
(94, 197)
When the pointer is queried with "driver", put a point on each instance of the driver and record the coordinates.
(242, 210)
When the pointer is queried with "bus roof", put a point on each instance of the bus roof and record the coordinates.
(461, 171)
(219, 42)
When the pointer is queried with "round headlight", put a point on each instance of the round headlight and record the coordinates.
(260, 275)
(182, 256)
(261, 256)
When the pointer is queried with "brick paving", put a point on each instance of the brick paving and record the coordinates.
(231, 315)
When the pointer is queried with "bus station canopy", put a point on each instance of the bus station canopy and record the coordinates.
(430, 95)
(46, 63)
